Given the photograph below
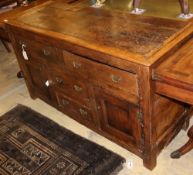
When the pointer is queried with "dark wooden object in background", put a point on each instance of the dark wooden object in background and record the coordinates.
(136, 3)
(184, 6)
(11, 14)
(98, 70)
(5, 44)
(185, 148)
(4, 3)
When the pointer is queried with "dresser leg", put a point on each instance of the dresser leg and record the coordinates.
(186, 148)
(20, 74)
(6, 45)
(150, 160)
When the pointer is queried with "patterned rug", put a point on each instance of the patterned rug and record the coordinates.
(31, 144)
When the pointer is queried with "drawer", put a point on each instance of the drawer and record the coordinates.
(74, 109)
(113, 78)
(77, 65)
(100, 74)
(39, 52)
(74, 88)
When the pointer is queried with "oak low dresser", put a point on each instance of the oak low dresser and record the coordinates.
(127, 77)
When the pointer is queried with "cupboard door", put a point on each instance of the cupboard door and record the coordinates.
(118, 118)
(36, 78)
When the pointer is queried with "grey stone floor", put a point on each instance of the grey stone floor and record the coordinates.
(13, 91)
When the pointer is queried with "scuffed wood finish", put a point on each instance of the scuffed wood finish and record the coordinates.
(96, 66)
(138, 39)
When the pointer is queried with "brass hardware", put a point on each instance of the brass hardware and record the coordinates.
(115, 78)
(65, 102)
(59, 80)
(46, 52)
(22, 43)
(83, 112)
(76, 65)
(77, 88)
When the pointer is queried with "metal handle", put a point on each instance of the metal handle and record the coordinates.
(65, 102)
(77, 88)
(76, 65)
(23, 46)
(46, 52)
(115, 78)
(59, 80)
(22, 43)
(83, 112)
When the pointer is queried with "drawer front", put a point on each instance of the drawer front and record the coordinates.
(77, 65)
(74, 88)
(74, 109)
(100, 74)
(109, 77)
(39, 52)
(119, 118)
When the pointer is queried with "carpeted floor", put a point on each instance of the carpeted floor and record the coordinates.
(31, 144)
(13, 92)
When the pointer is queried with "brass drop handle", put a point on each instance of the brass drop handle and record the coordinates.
(115, 78)
(76, 65)
(46, 52)
(23, 45)
(77, 88)
(59, 80)
(83, 112)
(65, 102)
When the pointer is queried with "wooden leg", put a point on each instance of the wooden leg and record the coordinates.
(150, 159)
(186, 148)
(136, 3)
(6, 45)
(20, 74)
(184, 6)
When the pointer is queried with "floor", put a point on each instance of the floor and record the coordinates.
(13, 91)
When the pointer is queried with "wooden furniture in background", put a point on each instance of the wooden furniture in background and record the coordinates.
(4, 39)
(106, 69)
(11, 14)
(4, 3)
(184, 5)
(14, 13)
(185, 148)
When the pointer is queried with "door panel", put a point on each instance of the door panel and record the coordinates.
(118, 117)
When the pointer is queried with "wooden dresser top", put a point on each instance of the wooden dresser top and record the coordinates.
(135, 38)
